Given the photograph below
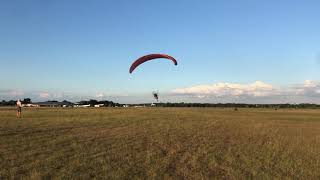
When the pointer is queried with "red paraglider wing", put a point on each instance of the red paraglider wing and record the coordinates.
(150, 57)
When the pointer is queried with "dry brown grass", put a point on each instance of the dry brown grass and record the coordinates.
(160, 143)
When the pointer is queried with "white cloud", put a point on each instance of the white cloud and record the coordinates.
(44, 95)
(16, 93)
(100, 95)
(256, 89)
(309, 84)
(11, 93)
(308, 92)
(257, 92)
(309, 88)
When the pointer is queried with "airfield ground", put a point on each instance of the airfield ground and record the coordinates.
(160, 143)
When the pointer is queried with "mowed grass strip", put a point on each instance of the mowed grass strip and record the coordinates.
(160, 143)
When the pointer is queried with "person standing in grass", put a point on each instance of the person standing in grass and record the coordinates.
(19, 108)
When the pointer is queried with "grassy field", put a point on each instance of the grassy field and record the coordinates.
(160, 143)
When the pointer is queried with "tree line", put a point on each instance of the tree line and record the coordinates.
(93, 102)
(236, 105)
(13, 102)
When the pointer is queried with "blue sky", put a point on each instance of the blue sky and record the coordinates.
(85, 48)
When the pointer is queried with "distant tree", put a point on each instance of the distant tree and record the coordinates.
(11, 103)
(26, 101)
(3, 103)
(83, 103)
(93, 102)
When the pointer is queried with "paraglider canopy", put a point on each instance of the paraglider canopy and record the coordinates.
(149, 57)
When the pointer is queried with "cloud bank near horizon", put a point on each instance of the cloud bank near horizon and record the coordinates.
(256, 92)
(256, 89)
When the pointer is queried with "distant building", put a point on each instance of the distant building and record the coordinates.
(78, 105)
(49, 104)
(54, 104)
(30, 105)
(98, 105)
